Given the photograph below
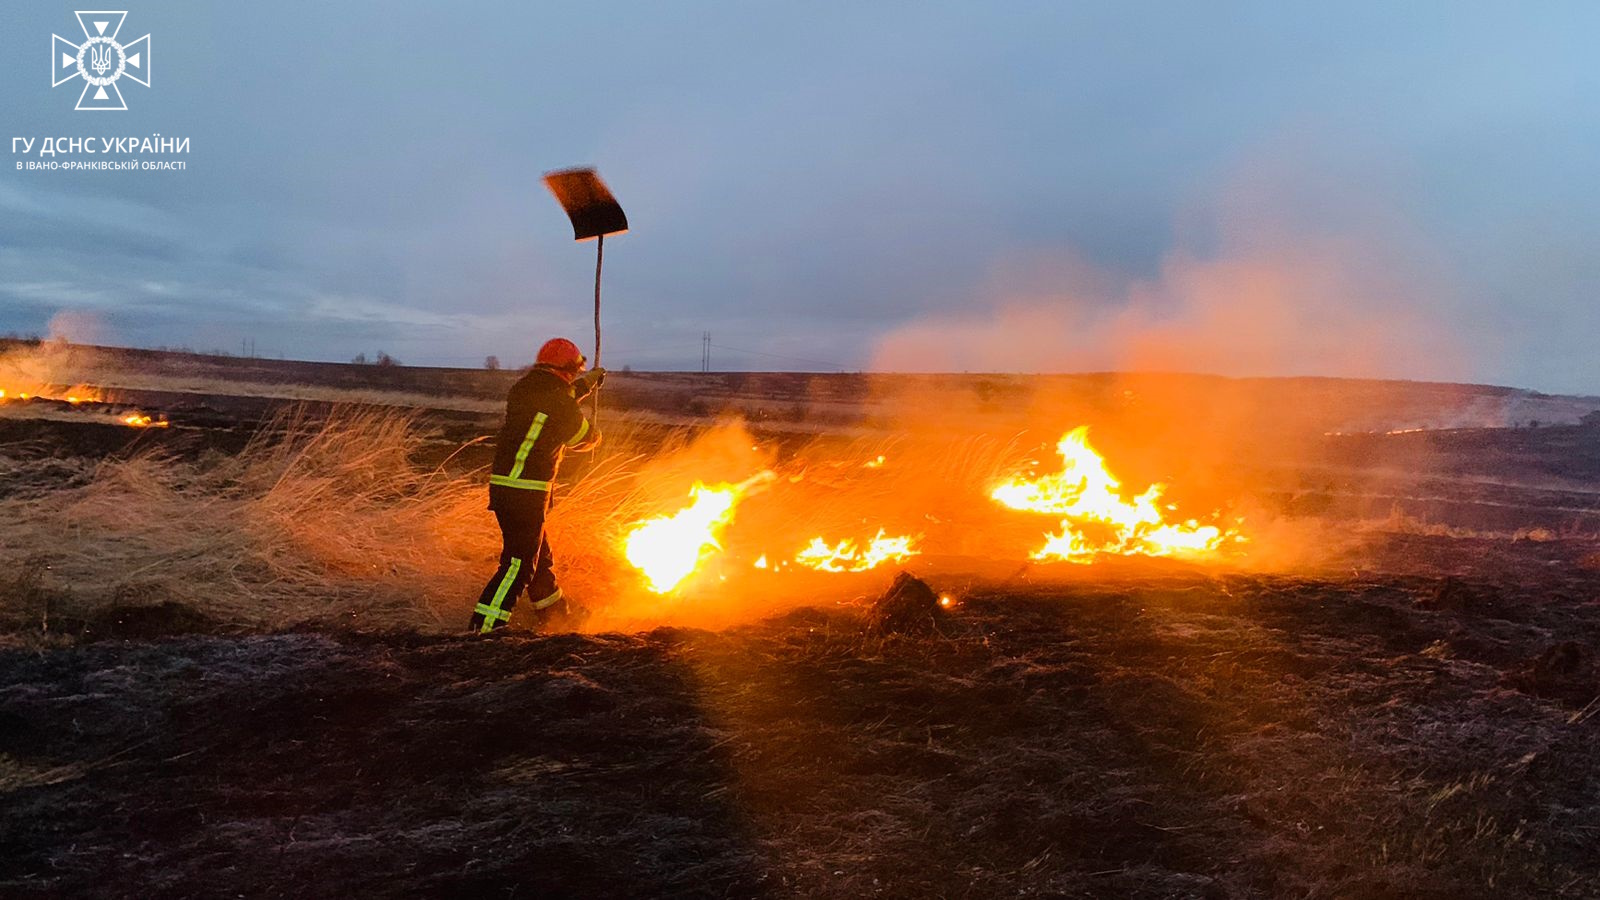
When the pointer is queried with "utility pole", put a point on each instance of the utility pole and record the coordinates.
(705, 351)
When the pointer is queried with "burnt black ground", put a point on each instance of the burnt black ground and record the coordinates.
(1132, 731)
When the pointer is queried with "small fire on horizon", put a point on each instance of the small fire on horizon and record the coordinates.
(80, 395)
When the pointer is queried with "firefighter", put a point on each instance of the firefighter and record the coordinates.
(542, 421)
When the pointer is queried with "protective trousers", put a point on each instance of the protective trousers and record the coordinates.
(525, 564)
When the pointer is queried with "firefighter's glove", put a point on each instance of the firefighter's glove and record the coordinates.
(588, 382)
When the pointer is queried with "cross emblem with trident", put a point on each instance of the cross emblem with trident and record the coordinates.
(100, 60)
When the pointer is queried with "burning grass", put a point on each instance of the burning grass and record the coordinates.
(30, 386)
(99, 374)
(1089, 499)
(332, 518)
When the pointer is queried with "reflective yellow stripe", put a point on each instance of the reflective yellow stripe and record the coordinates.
(494, 613)
(526, 484)
(489, 612)
(582, 430)
(527, 445)
(548, 601)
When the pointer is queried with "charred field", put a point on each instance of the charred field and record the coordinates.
(1409, 711)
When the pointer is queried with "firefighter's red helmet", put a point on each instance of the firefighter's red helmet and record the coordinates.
(563, 356)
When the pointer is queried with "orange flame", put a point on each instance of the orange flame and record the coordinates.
(140, 420)
(846, 556)
(78, 393)
(669, 548)
(1085, 493)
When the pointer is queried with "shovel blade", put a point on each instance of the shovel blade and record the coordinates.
(588, 202)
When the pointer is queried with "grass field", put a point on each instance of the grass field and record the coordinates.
(231, 660)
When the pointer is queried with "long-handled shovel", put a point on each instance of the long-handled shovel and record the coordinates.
(594, 214)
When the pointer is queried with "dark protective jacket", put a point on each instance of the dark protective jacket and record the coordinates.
(542, 420)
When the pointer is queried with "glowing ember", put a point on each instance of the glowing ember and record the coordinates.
(846, 556)
(1095, 517)
(874, 463)
(140, 420)
(668, 549)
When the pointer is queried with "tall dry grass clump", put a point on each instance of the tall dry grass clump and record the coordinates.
(318, 520)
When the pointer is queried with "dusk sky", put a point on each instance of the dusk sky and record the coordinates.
(1249, 188)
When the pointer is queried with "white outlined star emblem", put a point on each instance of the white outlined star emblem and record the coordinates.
(100, 61)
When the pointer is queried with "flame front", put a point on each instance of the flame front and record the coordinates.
(847, 556)
(668, 549)
(78, 393)
(1095, 518)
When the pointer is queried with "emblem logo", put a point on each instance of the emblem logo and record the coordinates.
(100, 60)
